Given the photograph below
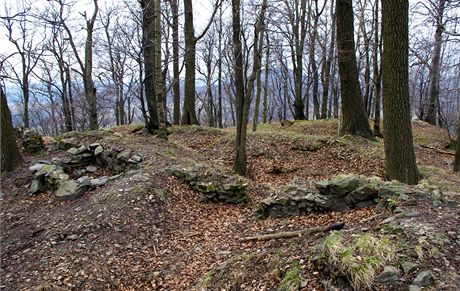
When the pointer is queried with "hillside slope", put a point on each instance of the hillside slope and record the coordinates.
(147, 229)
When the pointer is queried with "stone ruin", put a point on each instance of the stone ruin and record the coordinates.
(73, 175)
(212, 184)
(337, 194)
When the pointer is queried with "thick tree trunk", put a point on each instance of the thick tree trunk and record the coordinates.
(25, 94)
(399, 150)
(90, 90)
(10, 156)
(148, 36)
(240, 160)
(259, 82)
(435, 68)
(354, 117)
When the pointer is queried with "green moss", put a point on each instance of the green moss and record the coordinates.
(439, 177)
(205, 281)
(291, 280)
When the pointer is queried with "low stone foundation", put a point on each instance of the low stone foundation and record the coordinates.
(212, 184)
(73, 175)
(338, 194)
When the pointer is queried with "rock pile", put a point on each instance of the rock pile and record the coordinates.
(212, 184)
(338, 194)
(54, 175)
(32, 142)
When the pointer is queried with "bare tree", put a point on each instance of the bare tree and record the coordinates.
(29, 49)
(189, 114)
(400, 161)
(354, 118)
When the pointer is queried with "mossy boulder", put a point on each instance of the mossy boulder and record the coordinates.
(340, 185)
(32, 142)
(212, 184)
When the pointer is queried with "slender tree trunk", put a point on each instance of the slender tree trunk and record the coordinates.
(10, 156)
(399, 150)
(376, 73)
(219, 81)
(457, 151)
(327, 67)
(267, 60)
(160, 97)
(314, 69)
(354, 117)
(189, 114)
(176, 79)
(25, 94)
(259, 83)
(436, 65)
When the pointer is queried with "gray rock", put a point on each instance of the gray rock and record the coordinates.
(99, 182)
(72, 151)
(437, 203)
(124, 155)
(36, 167)
(340, 185)
(80, 173)
(67, 143)
(408, 267)
(69, 189)
(414, 288)
(73, 237)
(35, 187)
(98, 150)
(85, 180)
(82, 150)
(389, 275)
(46, 170)
(423, 279)
(135, 159)
(94, 145)
(91, 169)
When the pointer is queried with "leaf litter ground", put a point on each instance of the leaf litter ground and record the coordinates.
(124, 236)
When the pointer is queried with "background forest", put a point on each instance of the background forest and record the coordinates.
(63, 62)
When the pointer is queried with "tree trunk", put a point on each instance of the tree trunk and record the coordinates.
(399, 150)
(457, 151)
(327, 67)
(376, 72)
(90, 90)
(354, 117)
(148, 36)
(259, 82)
(436, 65)
(25, 94)
(10, 156)
(189, 114)
(314, 69)
(240, 161)
(267, 60)
(219, 106)
(176, 79)
(160, 98)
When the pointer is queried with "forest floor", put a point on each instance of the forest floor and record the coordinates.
(126, 236)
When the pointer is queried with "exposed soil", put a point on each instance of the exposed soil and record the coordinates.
(149, 230)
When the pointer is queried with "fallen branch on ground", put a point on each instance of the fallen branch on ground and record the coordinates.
(437, 150)
(299, 233)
